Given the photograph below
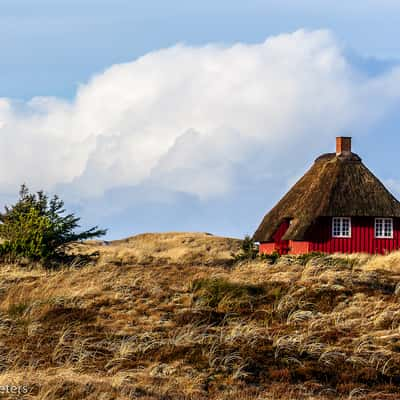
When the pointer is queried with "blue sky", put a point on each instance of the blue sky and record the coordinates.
(104, 73)
(49, 47)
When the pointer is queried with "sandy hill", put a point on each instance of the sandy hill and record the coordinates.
(171, 247)
(160, 316)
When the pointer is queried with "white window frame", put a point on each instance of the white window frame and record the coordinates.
(383, 221)
(341, 219)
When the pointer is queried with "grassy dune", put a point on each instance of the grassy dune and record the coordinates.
(170, 316)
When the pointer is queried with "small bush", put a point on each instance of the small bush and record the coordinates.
(249, 250)
(303, 259)
(17, 310)
(226, 296)
(271, 258)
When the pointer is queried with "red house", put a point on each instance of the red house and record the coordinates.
(337, 206)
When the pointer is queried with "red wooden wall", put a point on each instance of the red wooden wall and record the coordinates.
(362, 237)
(278, 245)
(319, 238)
(267, 248)
(299, 247)
(282, 246)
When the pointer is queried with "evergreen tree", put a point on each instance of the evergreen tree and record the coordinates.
(37, 227)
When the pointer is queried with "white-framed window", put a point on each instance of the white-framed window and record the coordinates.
(341, 227)
(384, 228)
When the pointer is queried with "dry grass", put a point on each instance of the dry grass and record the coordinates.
(172, 248)
(161, 328)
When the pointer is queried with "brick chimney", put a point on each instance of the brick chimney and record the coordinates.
(343, 145)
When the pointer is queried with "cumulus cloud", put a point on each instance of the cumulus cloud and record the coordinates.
(190, 119)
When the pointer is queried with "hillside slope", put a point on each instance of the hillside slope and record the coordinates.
(172, 247)
(145, 324)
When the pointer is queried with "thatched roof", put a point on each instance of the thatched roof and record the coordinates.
(336, 185)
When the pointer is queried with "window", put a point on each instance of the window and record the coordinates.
(341, 227)
(384, 228)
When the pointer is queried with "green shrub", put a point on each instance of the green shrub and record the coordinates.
(249, 250)
(36, 228)
(16, 310)
(272, 258)
(226, 296)
(303, 259)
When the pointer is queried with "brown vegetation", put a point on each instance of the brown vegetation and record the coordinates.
(144, 323)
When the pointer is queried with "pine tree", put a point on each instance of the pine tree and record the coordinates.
(37, 227)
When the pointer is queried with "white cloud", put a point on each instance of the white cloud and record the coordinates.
(393, 185)
(188, 118)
